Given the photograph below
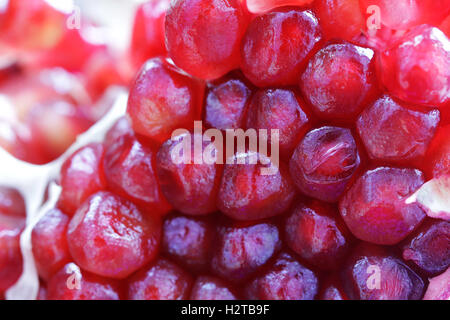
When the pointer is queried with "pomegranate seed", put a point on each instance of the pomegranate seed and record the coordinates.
(332, 290)
(340, 19)
(339, 81)
(314, 232)
(325, 162)
(161, 280)
(148, 31)
(279, 109)
(188, 241)
(42, 293)
(49, 243)
(162, 100)
(129, 169)
(210, 288)
(192, 36)
(261, 6)
(246, 194)
(286, 279)
(110, 237)
(72, 283)
(394, 133)
(445, 26)
(243, 250)
(226, 103)
(11, 202)
(374, 208)
(191, 188)
(10, 254)
(429, 247)
(277, 45)
(371, 273)
(437, 159)
(417, 69)
(81, 176)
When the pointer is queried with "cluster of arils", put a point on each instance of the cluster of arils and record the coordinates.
(363, 120)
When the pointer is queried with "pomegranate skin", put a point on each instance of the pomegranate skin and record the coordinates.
(429, 247)
(110, 237)
(315, 232)
(161, 280)
(393, 133)
(286, 279)
(374, 208)
(277, 45)
(417, 69)
(371, 273)
(73, 283)
(203, 36)
(324, 163)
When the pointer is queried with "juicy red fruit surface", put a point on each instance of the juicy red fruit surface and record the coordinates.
(162, 99)
(339, 81)
(392, 132)
(110, 237)
(279, 109)
(316, 234)
(324, 163)
(242, 250)
(247, 194)
(203, 36)
(161, 280)
(11, 202)
(210, 288)
(371, 273)
(277, 44)
(374, 208)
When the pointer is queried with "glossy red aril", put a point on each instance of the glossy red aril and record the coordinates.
(445, 26)
(417, 69)
(339, 81)
(371, 273)
(10, 254)
(261, 6)
(437, 160)
(315, 232)
(11, 202)
(279, 109)
(203, 36)
(340, 19)
(73, 283)
(162, 99)
(49, 243)
(392, 132)
(324, 163)
(226, 103)
(55, 125)
(210, 288)
(332, 290)
(110, 237)
(243, 250)
(254, 191)
(286, 279)
(129, 169)
(190, 183)
(277, 45)
(81, 176)
(374, 208)
(188, 241)
(429, 247)
(147, 39)
(161, 280)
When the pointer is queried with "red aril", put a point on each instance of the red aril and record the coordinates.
(49, 243)
(110, 237)
(161, 280)
(277, 45)
(210, 288)
(162, 99)
(332, 290)
(339, 81)
(437, 160)
(261, 6)
(11, 202)
(324, 163)
(203, 36)
(391, 132)
(374, 208)
(73, 283)
(81, 176)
